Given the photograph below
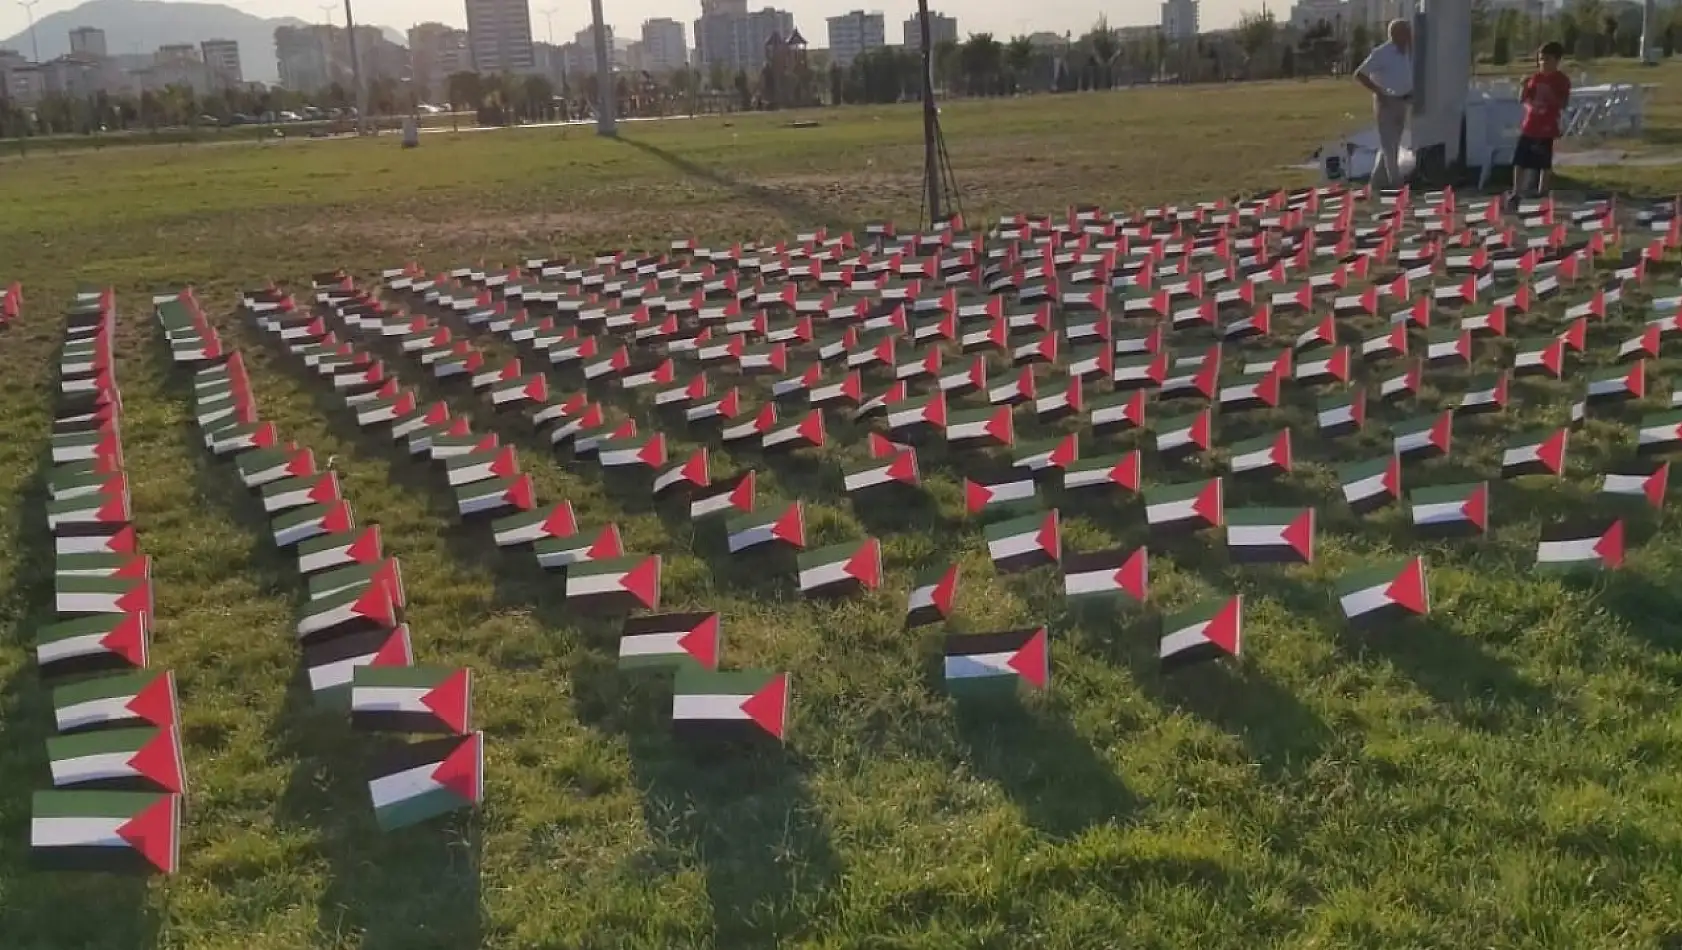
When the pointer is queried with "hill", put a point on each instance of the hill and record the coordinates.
(141, 26)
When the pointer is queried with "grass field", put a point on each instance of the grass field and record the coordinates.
(1506, 774)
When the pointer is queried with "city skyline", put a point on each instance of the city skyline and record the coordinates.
(627, 16)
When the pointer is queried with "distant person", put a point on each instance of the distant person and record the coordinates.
(1545, 95)
(1387, 73)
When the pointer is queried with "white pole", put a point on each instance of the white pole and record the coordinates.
(605, 89)
(34, 44)
(1649, 38)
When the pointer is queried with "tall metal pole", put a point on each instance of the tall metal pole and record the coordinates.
(1649, 39)
(356, 73)
(549, 21)
(34, 44)
(931, 117)
(605, 90)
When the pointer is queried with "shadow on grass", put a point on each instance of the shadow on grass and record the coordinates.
(40, 908)
(743, 812)
(798, 212)
(413, 888)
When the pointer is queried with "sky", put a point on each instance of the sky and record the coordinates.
(1001, 17)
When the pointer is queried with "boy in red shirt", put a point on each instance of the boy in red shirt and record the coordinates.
(1545, 96)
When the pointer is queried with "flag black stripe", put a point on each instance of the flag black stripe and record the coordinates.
(977, 644)
(664, 623)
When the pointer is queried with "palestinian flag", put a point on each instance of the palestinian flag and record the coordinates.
(1381, 594)
(143, 759)
(1256, 391)
(916, 414)
(76, 594)
(1402, 383)
(137, 832)
(989, 426)
(1144, 371)
(643, 451)
(1183, 435)
(1270, 454)
(529, 527)
(1207, 631)
(1448, 347)
(1114, 471)
(670, 642)
(1009, 489)
(685, 476)
(1618, 384)
(102, 564)
(1343, 413)
(372, 603)
(1537, 453)
(479, 466)
(1117, 412)
(785, 523)
(411, 782)
(1484, 394)
(1641, 478)
(1659, 432)
(1450, 511)
(1324, 367)
(329, 663)
(1177, 509)
(555, 554)
(980, 663)
(932, 597)
(1369, 486)
(1539, 357)
(1053, 453)
(1107, 575)
(288, 493)
(1270, 535)
(93, 644)
(734, 705)
(301, 524)
(807, 433)
(731, 495)
(842, 569)
(1581, 544)
(614, 584)
(495, 496)
(1424, 436)
(871, 473)
(103, 539)
(411, 699)
(1022, 544)
(259, 467)
(143, 697)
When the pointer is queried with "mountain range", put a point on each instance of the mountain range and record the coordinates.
(141, 26)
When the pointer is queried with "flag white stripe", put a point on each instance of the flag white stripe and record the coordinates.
(748, 537)
(596, 584)
(979, 665)
(1171, 511)
(1625, 484)
(1365, 487)
(388, 790)
(1518, 456)
(1440, 513)
(824, 574)
(868, 478)
(709, 706)
(1184, 639)
(1014, 545)
(337, 673)
(1365, 600)
(1091, 582)
(1261, 458)
(707, 506)
(92, 768)
(1258, 535)
(922, 597)
(70, 832)
(69, 647)
(1557, 552)
(94, 710)
(390, 698)
(1082, 479)
(652, 644)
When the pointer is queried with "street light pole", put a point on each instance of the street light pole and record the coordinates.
(549, 20)
(34, 44)
(605, 90)
(356, 73)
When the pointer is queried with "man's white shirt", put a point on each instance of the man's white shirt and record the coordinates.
(1390, 69)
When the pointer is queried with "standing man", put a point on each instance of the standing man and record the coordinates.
(1387, 73)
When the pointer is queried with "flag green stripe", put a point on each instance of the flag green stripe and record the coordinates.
(1249, 517)
(419, 808)
(411, 677)
(1198, 613)
(92, 804)
(1442, 494)
(618, 565)
(742, 683)
(1169, 494)
(103, 687)
(1371, 577)
(1014, 527)
(98, 743)
(1253, 445)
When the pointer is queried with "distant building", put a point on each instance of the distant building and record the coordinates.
(1179, 19)
(437, 52)
(851, 34)
(72, 75)
(1305, 14)
(664, 48)
(315, 57)
(729, 37)
(87, 41)
(21, 81)
(499, 32)
(221, 61)
(942, 28)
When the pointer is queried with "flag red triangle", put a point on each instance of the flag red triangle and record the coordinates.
(538, 389)
(1408, 588)
(1657, 485)
(1134, 575)
(935, 412)
(155, 703)
(376, 604)
(1049, 538)
(561, 523)
(452, 700)
(741, 497)
(1551, 452)
(395, 651)
(159, 760)
(1200, 430)
(301, 463)
(115, 509)
(695, 471)
(866, 564)
(1610, 547)
(137, 599)
(1282, 450)
(128, 638)
(366, 548)
(701, 642)
(1442, 431)
(153, 832)
(1299, 534)
(904, 467)
(643, 581)
(325, 489)
(791, 526)
(1208, 504)
(521, 494)
(1002, 426)
(607, 544)
(337, 518)
(769, 707)
(1225, 627)
(1031, 662)
(1636, 381)
(653, 452)
(946, 590)
(461, 772)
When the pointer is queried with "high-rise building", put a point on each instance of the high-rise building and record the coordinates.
(437, 52)
(301, 52)
(664, 48)
(499, 32)
(853, 33)
(87, 41)
(729, 37)
(221, 60)
(942, 29)
(1179, 19)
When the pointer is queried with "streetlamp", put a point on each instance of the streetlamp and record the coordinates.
(605, 125)
(34, 44)
(356, 72)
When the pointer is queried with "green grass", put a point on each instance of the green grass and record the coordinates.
(1504, 774)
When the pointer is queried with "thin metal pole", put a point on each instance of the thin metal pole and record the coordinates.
(605, 90)
(931, 116)
(34, 44)
(356, 73)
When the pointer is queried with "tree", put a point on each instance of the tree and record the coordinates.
(538, 94)
(1104, 47)
(1502, 53)
(1258, 33)
(981, 59)
(466, 90)
(744, 92)
(1019, 59)
(1482, 27)
(835, 84)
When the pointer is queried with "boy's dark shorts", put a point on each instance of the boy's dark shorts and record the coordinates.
(1534, 153)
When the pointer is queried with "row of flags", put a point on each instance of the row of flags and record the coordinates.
(116, 762)
(356, 647)
(599, 576)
